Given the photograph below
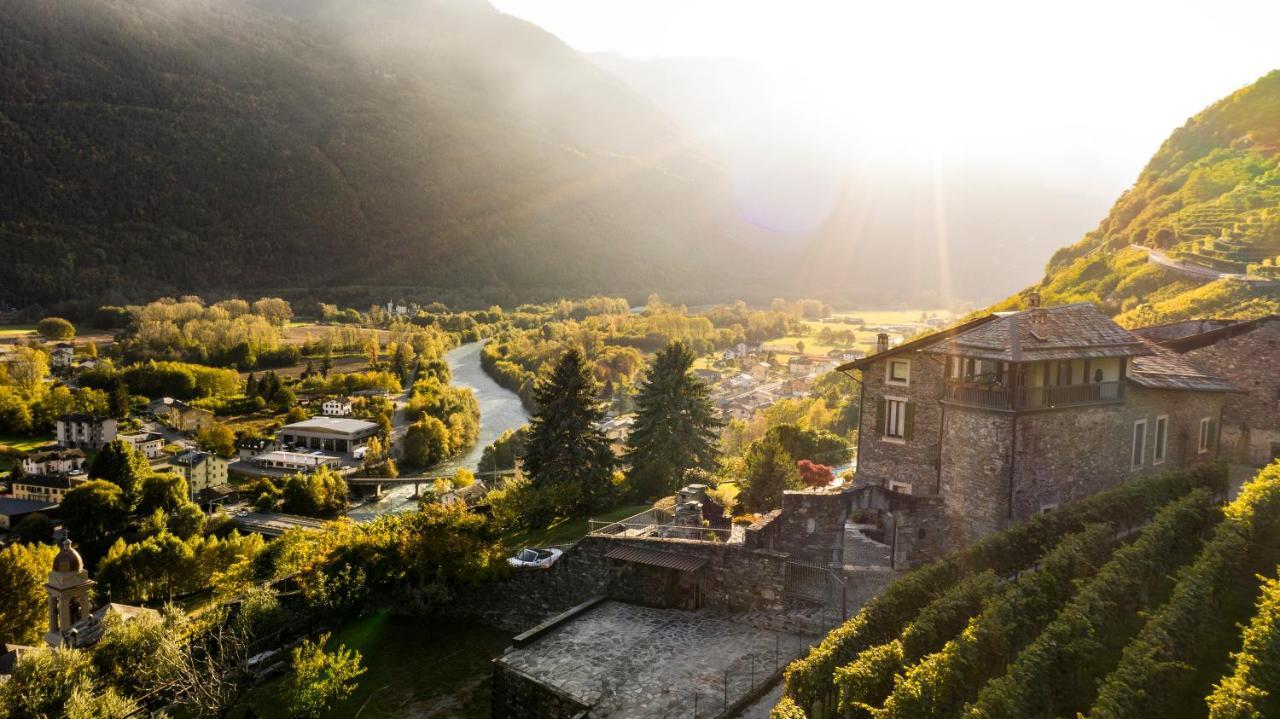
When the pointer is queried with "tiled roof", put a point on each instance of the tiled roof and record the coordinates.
(1166, 369)
(52, 481)
(55, 453)
(1218, 330)
(1047, 333)
(657, 558)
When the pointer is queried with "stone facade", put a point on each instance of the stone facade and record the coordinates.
(914, 460)
(1000, 468)
(1250, 433)
(811, 526)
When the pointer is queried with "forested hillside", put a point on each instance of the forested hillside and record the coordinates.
(1150, 600)
(155, 146)
(1210, 200)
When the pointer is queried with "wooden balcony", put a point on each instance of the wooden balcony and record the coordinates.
(992, 396)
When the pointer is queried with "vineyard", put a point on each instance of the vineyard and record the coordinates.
(1150, 600)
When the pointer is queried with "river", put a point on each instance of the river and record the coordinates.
(500, 410)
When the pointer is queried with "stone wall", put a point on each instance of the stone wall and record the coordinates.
(1250, 433)
(518, 696)
(914, 461)
(811, 526)
(975, 476)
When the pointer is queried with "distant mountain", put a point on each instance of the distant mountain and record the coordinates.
(1208, 203)
(151, 146)
(857, 216)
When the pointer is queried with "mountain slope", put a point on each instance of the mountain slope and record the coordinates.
(196, 145)
(1209, 201)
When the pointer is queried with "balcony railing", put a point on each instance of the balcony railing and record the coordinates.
(1019, 398)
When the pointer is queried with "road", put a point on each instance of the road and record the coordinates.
(1157, 257)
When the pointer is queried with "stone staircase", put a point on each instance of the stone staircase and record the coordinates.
(863, 551)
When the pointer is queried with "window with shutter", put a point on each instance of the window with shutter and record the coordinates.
(895, 416)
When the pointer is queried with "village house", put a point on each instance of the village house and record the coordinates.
(1247, 352)
(801, 366)
(1013, 414)
(179, 415)
(48, 489)
(84, 431)
(202, 470)
(760, 371)
(336, 407)
(150, 444)
(283, 461)
(53, 461)
(63, 355)
(249, 447)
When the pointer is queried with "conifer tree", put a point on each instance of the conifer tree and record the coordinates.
(123, 466)
(675, 425)
(566, 446)
(118, 399)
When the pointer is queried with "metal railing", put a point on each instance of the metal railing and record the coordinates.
(657, 523)
(1017, 398)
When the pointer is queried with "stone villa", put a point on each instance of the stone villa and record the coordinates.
(1013, 414)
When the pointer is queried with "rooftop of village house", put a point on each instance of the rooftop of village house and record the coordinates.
(1075, 331)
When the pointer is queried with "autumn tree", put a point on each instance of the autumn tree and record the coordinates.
(56, 328)
(24, 603)
(319, 679)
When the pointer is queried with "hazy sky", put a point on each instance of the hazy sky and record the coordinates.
(1091, 85)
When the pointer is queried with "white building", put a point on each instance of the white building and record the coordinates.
(150, 444)
(336, 407)
(296, 461)
(202, 470)
(86, 431)
(63, 355)
(53, 461)
(341, 435)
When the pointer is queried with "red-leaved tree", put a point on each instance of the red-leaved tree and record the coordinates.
(815, 475)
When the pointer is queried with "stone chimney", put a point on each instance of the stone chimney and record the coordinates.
(882, 342)
(1033, 300)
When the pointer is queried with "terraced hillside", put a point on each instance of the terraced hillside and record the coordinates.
(1210, 198)
(1128, 605)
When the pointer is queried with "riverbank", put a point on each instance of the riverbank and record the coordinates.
(500, 410)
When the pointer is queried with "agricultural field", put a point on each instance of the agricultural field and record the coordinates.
(864, 334)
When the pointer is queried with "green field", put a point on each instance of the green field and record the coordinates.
(416, 667)
(16, 330)
(567, 531)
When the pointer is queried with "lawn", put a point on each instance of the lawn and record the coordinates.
(416, 667)
(16, 330)
(25, 444)
(566, 531)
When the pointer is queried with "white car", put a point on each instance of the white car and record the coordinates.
(538, 558)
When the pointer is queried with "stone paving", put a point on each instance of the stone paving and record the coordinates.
(632, 661)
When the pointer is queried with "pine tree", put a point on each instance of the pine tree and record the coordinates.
(250, 386)
(675, 429)
(770, 470)
(118, 399)
(566, 447)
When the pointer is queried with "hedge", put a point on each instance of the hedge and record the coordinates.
(1252, 691)
(1172, 662)
(863, 684)
(1056, 674)
(942, 683)
(809, 679)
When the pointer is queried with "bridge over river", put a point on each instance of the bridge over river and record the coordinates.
(500, 410)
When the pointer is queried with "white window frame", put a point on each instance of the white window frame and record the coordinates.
(1138, 450)
(1160, 446)
(1202, 446)
(901, 437)
(888, 372)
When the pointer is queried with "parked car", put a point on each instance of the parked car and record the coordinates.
(540, 558)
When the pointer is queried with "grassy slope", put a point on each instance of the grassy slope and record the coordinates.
(1218, 175)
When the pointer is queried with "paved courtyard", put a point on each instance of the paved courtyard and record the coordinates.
(631, 661)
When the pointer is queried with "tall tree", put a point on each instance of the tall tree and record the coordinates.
(24, 603)
(566, 444)
(320, 679)
(123, 466)
(118, 398)
(94, 513)
(675, 429)
(770, 470)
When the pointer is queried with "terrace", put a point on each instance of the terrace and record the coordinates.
(1019, 398)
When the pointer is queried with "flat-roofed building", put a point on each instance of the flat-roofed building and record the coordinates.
(296, 461)
(150, 444)
(341, 435)
(13, 510)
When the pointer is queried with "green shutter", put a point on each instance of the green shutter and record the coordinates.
(909, 421)
(881, 415)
